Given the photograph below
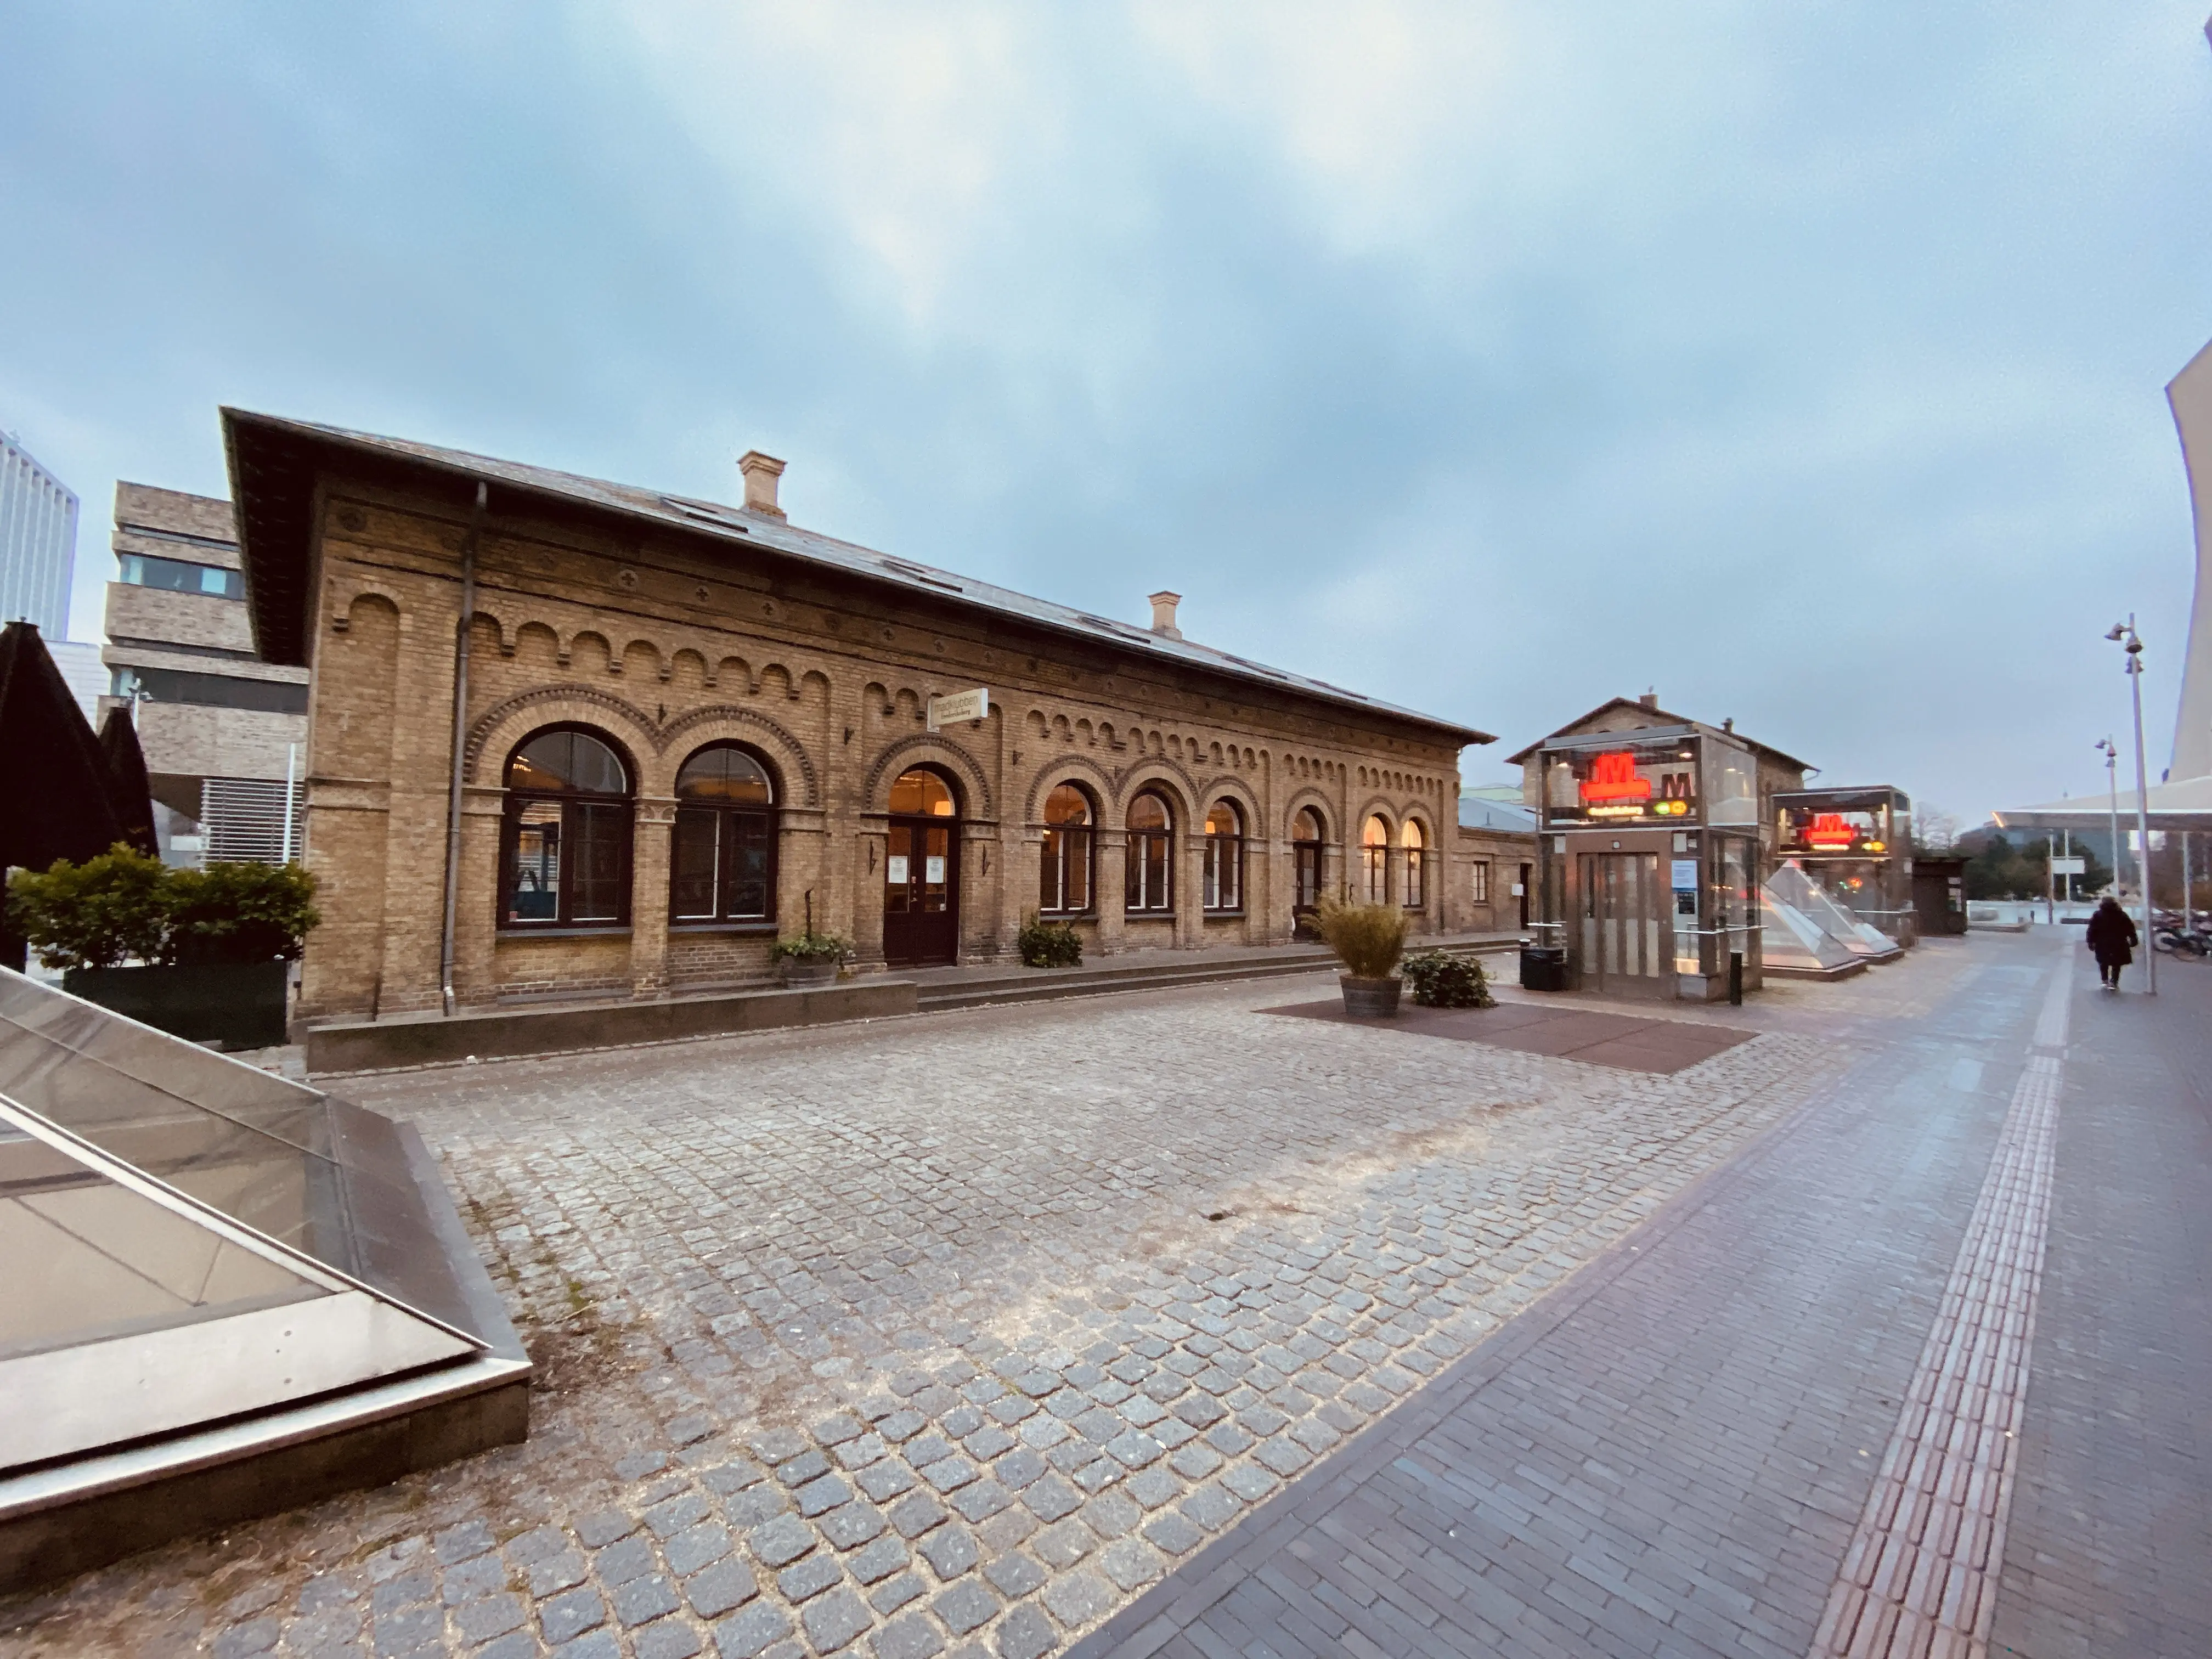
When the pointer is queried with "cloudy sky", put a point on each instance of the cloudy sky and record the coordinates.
(1805, 363)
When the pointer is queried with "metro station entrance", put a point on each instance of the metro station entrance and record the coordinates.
(921, 873)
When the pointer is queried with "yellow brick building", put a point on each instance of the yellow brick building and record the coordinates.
(686, 728)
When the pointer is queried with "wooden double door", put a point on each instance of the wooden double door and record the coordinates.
(921, 892)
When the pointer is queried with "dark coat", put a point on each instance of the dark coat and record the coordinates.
(2112, 936)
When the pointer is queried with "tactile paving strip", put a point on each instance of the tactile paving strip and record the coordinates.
(1919, 1580)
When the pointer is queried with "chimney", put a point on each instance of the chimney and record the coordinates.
(1163, 610)
(1650, 699)
(761, 473)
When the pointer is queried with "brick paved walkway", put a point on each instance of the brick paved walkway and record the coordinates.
(1671, 1456)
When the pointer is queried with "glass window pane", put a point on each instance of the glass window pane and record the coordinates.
(749, 842)
(692, 864)
(535, 891)
(601, 837)
(1050, 888)
(1309, 825)
(898, 869)
(1375, 833)
(1148, 812)
(921, 793)
(725, 773)
(936, 869)
(568, 761)
(1224, 819)
(1067, 805)
(1078, 843)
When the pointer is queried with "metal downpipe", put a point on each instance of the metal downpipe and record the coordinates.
(460, 734)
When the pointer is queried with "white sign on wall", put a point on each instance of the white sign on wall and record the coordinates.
(2066, 867)
(960, 706)
(894, 871)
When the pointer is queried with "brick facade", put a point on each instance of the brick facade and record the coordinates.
(662, 642)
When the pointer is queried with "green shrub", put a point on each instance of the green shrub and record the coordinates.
(239, 913)
(124, 907)
(1447, 981)
(1049, 945)
(812, 947)
(1368, 938)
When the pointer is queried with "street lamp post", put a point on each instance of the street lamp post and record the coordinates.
(2112, 754)
(2125, 633)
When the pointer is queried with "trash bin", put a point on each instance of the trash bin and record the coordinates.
(1543, 968)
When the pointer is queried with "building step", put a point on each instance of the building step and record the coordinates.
(1040, 985)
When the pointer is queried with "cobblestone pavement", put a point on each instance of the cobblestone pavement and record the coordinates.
(1669, 1457)
(952, 1334)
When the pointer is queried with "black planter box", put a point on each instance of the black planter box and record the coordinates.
(238, 1005)
(1543, 968)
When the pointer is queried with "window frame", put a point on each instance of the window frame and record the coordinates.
(766, 822)
(1479, 881)
(1057, 853)
(1414, 881)
(578, 808)
(1217, 845)
(1374, 884)
(1141, 844)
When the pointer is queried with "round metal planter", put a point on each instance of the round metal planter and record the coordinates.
(1370, 998)
(798, 975)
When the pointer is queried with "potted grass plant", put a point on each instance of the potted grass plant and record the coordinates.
(1368, 939)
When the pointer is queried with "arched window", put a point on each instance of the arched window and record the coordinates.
(1307, 835)
(1224, 857)
(564, 840)
(722, 857)
(1416, 845)
(1151, 885)
(1374, 861)
(1064, 883)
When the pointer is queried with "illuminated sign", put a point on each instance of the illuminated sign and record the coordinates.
(1613, 780)
(1829, 833)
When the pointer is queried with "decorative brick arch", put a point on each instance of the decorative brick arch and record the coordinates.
(1377, 805)
(643, 736)
(731, 721)
(1067, 768)
(1302, 797)
(930, 746)
(1239, 791)
(1154, 769)
(344, 597)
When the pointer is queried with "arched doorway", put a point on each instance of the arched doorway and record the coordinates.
(921, 873)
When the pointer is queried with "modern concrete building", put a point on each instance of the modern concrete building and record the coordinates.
(223, 730)
(2189, 396)
(672, 729)
(38, 542)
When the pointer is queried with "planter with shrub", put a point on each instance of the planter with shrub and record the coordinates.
(1049, 945)
(1447, 981)
(811, 959)
(1368, 939)
(202, 954)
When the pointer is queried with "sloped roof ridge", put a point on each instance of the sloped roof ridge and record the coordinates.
(786, 537)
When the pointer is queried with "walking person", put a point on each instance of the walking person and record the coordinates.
(2112, 936)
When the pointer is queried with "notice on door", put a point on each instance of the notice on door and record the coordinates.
(932, 871)
(894, 870)
(1685, 875)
